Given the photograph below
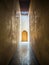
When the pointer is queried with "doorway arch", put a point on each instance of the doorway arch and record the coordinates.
(24, 36)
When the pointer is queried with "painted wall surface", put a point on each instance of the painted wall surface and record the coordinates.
(39, 29)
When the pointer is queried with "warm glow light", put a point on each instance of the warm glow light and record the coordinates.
(24, 36)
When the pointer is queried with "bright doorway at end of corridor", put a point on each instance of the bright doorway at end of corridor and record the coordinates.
(24, 27)
(24, 36)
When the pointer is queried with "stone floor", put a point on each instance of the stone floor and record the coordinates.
(16, 61)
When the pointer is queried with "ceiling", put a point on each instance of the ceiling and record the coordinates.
(24, 5)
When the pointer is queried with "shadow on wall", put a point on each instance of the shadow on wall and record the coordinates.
(40, 36)
(7, 48)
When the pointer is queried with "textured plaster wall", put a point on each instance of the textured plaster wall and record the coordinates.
(39, 29)
(9, 29)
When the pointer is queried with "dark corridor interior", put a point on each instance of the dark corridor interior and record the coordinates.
(24, 7)
(10, 11)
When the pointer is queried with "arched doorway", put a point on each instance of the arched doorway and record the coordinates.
(24, 36)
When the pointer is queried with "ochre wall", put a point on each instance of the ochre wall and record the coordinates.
(39, 29)
(9, 29)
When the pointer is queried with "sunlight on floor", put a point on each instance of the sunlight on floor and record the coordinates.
(24, 54)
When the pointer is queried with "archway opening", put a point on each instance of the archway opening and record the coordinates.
(24, 36)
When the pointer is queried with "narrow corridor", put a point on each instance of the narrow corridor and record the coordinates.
(24, 58)
(24, 32)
